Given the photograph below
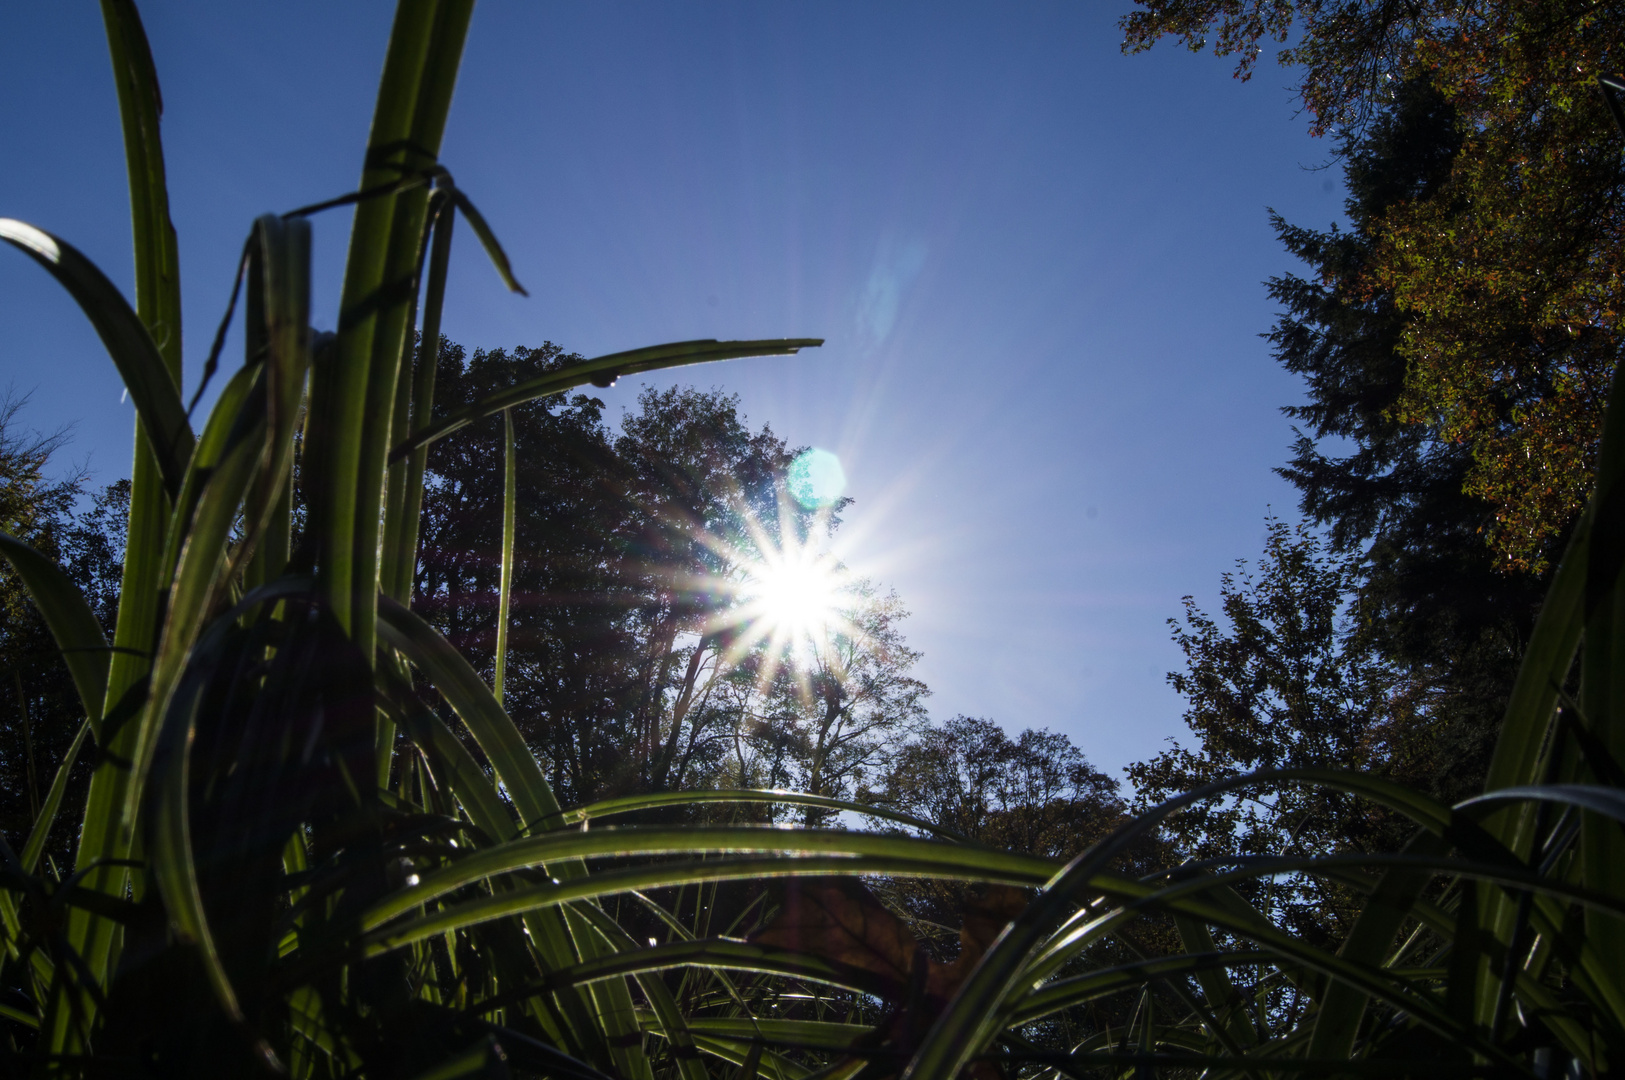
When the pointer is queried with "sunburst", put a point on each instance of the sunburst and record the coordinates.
(790, 593)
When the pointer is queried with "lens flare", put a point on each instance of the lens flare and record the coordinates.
(816, 479)
(791, 596)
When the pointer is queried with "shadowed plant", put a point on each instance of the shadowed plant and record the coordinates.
(290, 862)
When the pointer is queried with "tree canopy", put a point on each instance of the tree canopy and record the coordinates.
(38, 702)
(1504, 262)
(633, 662)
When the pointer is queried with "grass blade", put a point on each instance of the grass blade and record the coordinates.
(146, 375)
(167, 819)
(404, 557)
(510, 511)
(488, 240)
(1337, 1021)
(46, 818)
(612, 882)
(222, 470)
(68, 616)
(637, 841)
(353, 396)
(714, 953)
(628, 804)
(103, 847)
(603, 371)
(474, 703)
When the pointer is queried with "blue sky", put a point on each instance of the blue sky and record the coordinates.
(1038, 265)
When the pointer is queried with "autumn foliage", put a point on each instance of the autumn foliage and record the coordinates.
(1509, 270)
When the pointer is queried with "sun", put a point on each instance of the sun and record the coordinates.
(793, 595)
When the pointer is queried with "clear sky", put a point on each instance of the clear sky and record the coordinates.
(1038, 264)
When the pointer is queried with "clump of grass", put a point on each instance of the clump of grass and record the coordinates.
(289, 863)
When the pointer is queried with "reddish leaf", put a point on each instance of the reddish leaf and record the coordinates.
(840, 921)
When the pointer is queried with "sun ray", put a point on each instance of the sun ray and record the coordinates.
(788, 593)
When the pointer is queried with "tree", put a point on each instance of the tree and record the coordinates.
(707, 494)
(1435, 600)
(1508, 266)
(821, 716)
(1289, 681)
(632, 665)
(1034, 793)
(41, 708)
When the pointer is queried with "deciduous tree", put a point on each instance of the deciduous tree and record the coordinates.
(40, 712)
(1508, 266)
(1435, 600)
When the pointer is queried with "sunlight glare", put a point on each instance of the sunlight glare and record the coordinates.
(792, 595)
(796, 593)
(816, 479)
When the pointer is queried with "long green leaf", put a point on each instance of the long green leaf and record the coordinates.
(811, 1034)
(147, 377)
(452, 766)
(43, 824)
(488, 240)
(572, 844)
(1223, 1000)
(478, 708)
(1337, 1022)
(71, 622)
(611, 882)
(484, 1058)
(278, 337)
(981, 1008)
(630, 804)
(510, 512)
(515, 767)
(409, 507)
(160, 447)
(353, 396)
(224, 466)
(736, 1053)
(168, 816)
(603, 371)
(1546, 663)
(713, 953)
(616, 943)
(1063, 994)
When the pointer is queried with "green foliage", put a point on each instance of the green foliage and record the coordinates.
(1435, 602)
(631, 665)
(42, 697)
(1501, 264)
(1287, 681)
(314, 843)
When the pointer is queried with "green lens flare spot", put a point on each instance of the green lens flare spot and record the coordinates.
(816, 479)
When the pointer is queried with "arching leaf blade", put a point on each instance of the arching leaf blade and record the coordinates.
(488, 240)
(167, 816)
(612, 882)
(628, 804)
(603, 369)
(566, 845)
(228, 456)
(43, 824)
(68, 616)
(145, 373)
(713, 953)
(474, 703)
